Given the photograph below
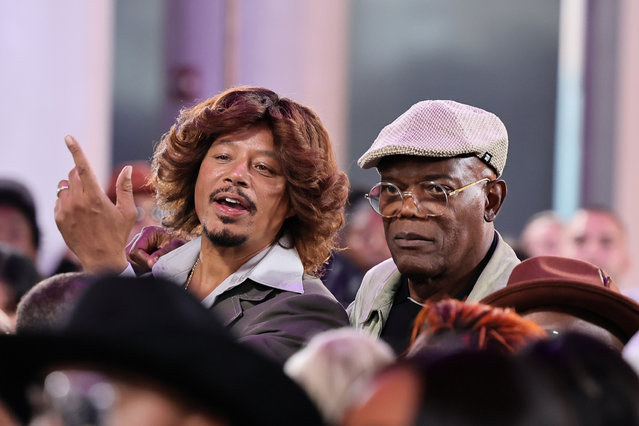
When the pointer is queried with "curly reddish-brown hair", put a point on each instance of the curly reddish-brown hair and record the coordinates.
(316, 188)
(453, 323)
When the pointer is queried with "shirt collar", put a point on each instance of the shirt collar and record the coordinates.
(276, 266)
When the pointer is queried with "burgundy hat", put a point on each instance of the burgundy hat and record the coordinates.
(551, 283)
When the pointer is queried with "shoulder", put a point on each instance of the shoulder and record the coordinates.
(378, 288)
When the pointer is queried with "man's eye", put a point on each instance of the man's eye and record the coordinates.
(433, 188)
(222, 156)
(389, 189)
(264, 169)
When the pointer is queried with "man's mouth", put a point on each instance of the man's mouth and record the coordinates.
(232, 203)
(409, 239)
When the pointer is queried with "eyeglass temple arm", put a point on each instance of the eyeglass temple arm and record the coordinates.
(458, 190)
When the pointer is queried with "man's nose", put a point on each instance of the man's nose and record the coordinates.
(238, 174)
(409, 206)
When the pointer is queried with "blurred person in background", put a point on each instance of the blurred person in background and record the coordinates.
(597, 235)
(18, 274)
(18, 225)
(541, 235)
(362, 246)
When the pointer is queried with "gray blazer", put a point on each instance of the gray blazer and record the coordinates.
(278, 322)
(278, 316)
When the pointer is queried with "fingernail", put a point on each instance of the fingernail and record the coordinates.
(128, 172)
(68, 140)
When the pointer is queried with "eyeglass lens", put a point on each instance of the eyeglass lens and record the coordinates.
(387, 199)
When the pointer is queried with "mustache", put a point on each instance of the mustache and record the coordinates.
(234, 190)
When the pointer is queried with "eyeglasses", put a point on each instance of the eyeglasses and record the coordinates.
(430, 198)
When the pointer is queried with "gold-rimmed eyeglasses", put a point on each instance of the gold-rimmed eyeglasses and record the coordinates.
(430, 198)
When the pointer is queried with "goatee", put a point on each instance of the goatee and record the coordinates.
(224, 238)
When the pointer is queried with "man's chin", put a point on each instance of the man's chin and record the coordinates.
(417, 267)
(224, 238)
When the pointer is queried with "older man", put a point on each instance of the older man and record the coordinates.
(439, 194)
(254, 178)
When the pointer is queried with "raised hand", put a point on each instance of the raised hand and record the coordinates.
(94, 228)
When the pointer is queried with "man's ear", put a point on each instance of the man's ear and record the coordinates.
(495, 196)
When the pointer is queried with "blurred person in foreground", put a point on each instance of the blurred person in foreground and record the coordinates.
(451, 325)
(18, 224)
(541, 235)
(48, 304)
(597, 235)
(571, 380)
(563, 294)
(439, 195)
(253, 179)
(155, 357)
(335, 366)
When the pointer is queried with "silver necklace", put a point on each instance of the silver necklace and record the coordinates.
(188, 280)
(409, 298)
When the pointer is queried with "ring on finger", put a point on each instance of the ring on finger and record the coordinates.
(60, 189)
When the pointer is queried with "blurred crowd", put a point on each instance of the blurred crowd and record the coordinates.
(237, 279)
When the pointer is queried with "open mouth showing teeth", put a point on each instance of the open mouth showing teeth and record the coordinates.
(232, 202)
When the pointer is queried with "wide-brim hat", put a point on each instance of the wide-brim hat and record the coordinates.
(552, 283)
(442, 129)
(153, 329)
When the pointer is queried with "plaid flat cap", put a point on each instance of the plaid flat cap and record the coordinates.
(442, 128)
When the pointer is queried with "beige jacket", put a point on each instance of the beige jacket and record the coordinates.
(369, 311)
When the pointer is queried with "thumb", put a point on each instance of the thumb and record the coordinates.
(124, 193)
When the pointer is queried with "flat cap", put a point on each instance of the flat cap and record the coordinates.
(442, 128)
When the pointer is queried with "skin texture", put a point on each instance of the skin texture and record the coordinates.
(596, 237)
(84, 208)
(243, 167)
(440, 254)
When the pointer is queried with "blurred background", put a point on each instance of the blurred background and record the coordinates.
(563, 75)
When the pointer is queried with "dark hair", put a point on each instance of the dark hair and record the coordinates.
(48, 304)
(591, 377)
(316, 188)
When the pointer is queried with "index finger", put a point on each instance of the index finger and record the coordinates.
(89, 181)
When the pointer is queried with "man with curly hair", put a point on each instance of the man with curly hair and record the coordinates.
(251, 179)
